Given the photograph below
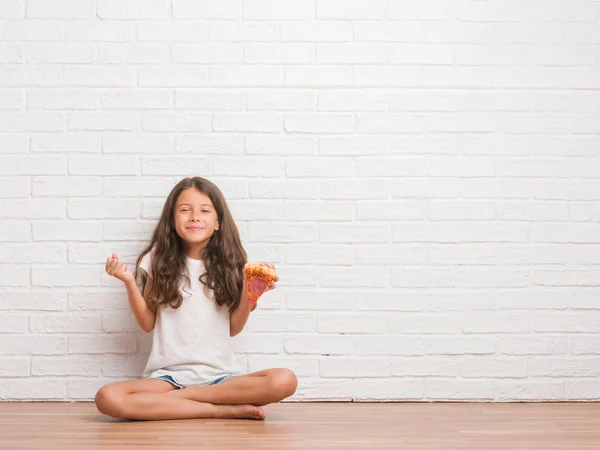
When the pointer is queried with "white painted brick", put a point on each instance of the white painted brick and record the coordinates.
(282, 10)
(285, 189)
(133, 9)
(123, 365)
(523, 390)
(119, 322)
(355, 233)
(101, 344)
(205, 9)
(65, 276)
(69, 53)
(319, 344)
(354, 145)
(572, 322)
(32, 75)
(344, 277)
(136, 187)
(280, 145)
(390, 210)
(302, 367)
(318, 76)
(56, 99)
(319, 300)
(354, 189)
(532, 345)
(461, 210)
(279, 100)
(99, 31)
(33, 389)
(352, 9)
(351, 53)
(137, 143)
(322, 211)
(256, 210)
(15, 230)
(33, 253)
(341, 367)
(60, 9)
(471, 167)
(240, 32)
(209, 53)
(245, 75)
(209, 144)
(390, 254)
(173, 75)
(215, 100)
(566, 277)
(33, 165)
(12, 9)
(102, 299)
(585, 389)
(14, 323)
(93, 253)
(19, 122)
(14, 187)
(12, 100)
(324, 254)
(384, 345)
(98, 121)
(351, 100)
(461, 254)
(514, 11)
(533, 254)
(425, 324)
(322, 168)
(137, 53)
(248, 122)
(464, 232)
(33, 344)
(281, 322)
(176, 166)
(389, 299)
(17, 366)
(103, 209)
(460, 389)
(493, 322)
(39, 299)
(423, 366)
(66, 231)
(72, 142)
(573, 366)
(139, 99)
(351, 324)
(257, 344)
(66, 186)
(256, 166)
(488, 366)
(285, 233)
(460, 345)
(286, 53)
(584, 345)
(13, 143)
(176, 121)
(319, 123)
(32, 208)
(66, 365)
(32, 30)
(97, 75)
(102, 165)
(462, 277)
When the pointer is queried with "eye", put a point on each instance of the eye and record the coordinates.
(205, 211)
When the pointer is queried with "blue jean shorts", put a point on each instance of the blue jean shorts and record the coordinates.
(178, 385)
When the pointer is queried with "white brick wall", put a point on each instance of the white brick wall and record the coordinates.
(425, 174)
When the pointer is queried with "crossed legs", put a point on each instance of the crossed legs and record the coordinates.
(236, 398)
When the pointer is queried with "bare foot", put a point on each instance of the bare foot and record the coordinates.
(239, 412)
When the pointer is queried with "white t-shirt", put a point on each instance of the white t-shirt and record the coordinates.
(191, 343)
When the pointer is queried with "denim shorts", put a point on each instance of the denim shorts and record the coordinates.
(178, 385)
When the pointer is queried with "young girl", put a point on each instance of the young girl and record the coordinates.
(193, 278)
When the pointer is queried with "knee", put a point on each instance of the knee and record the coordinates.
(109, 401)
(285, 383)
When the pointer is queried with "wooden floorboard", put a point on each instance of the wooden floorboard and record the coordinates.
(311, 426)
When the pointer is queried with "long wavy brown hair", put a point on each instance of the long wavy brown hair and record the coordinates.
(223, 257)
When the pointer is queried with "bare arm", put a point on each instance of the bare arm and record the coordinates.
(144, 315)
(239, 317)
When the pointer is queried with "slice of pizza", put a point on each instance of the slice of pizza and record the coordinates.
(258, 279)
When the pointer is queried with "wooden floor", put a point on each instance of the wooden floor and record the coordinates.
(310, 426)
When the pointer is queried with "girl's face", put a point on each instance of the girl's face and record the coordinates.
(195, 217)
